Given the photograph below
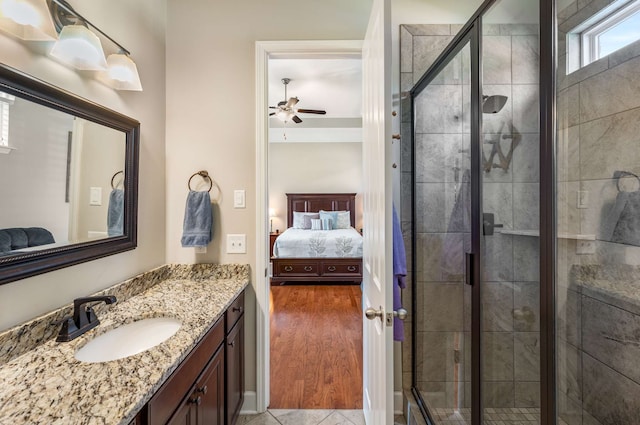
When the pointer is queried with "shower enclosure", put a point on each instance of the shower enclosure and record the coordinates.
(475, 220)
(524, 210)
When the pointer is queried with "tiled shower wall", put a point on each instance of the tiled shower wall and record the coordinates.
(599, 131)
(510, 301)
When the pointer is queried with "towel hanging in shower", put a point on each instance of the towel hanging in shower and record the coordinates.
(622, 223)
(399, 275)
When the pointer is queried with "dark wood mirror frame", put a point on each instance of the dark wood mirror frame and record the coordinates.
(20, 266)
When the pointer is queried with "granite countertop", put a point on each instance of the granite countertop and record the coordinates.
(47, 385)
(615, 284)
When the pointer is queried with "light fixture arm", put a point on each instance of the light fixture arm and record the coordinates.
(66, 6)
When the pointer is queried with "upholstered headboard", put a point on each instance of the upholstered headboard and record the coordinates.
(314, 202)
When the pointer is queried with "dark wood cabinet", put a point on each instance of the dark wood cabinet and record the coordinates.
(235, 371)
(209, 394)
(208, 386)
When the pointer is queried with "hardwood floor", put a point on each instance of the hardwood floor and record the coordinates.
(316, 347)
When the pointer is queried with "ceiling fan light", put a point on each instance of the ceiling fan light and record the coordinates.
(80, 48)
(121, 73)
(27, 19)
(285, 115)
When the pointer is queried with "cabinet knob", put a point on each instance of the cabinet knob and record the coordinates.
(197, 401)
(308, 268)
(331, 268)
(232, 343)
(238, 309)
(352, 268)
(202, 390)
(288, 268)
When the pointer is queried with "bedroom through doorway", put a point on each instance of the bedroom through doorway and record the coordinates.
(314, 164)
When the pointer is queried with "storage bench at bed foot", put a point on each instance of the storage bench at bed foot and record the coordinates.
(297, 269)
(341, 269)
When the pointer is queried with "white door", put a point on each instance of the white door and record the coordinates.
(377, 257)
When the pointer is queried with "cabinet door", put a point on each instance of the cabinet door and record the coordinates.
(234, 346)
(186, 414)
(209, 392)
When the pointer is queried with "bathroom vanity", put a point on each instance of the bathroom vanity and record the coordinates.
(194, 377)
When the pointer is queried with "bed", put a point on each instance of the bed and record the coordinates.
(318, 255)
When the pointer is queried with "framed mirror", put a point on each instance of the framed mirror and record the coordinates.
(68, 178)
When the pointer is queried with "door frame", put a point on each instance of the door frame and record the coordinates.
(264, 51)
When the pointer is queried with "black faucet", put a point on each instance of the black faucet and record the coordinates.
(83, 319)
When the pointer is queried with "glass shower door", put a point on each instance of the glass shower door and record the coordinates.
(442, 232)
(510, 283)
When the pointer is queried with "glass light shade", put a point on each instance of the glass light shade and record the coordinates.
(80, 48)
(272, 212)
(27, 19)
(121, 73)
(285, 115)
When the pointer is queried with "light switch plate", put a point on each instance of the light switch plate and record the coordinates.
(95, 196)
(239, 199)
(237, 244)
(200, 249)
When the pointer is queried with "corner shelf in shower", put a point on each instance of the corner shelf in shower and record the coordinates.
(576, 236)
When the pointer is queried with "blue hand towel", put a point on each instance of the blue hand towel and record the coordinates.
(198, 219)
(115, 213)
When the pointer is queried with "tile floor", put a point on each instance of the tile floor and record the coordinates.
(308, 417)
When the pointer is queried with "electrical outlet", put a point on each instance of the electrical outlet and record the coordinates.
(585, 247)
(200, 249)
(583, 199)
(237, 244)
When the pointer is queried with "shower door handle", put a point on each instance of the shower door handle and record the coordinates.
(468, 268)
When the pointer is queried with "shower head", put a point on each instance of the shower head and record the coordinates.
(493, 104)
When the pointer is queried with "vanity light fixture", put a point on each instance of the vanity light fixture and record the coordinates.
(76, 42)
(121, 73)
(27, 19)
(80, 48)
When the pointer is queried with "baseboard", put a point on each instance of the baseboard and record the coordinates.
(397, 403)
(250, 405)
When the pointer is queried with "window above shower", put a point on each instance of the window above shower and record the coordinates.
(597, 36)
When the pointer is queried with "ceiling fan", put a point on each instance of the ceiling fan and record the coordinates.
(286, 109)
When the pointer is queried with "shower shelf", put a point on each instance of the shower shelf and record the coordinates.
(575, 236)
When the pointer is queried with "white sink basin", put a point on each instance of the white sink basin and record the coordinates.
(129, 339)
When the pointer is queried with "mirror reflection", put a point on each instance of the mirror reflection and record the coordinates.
(61, 178)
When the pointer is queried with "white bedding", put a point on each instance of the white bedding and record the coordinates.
(300, 243)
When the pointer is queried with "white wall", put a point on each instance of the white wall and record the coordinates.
(140, 27)
(210, 108)
(313, 168)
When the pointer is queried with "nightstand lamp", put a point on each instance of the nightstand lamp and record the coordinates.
(272, 213)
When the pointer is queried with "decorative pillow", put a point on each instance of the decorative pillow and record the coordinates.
(316, 224)
(298, 219)
(327, 223)
(343, 221)
(307, 220)
(333, 215)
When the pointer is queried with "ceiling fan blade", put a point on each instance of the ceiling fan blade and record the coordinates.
(282, 103)
(273, 107)
(271, 114)
(296, 120)
(292, 102)
(312, 111)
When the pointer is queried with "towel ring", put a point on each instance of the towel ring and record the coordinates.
(620, 174)
(205, 175)
(114, 177)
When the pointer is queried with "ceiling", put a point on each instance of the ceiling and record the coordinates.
(330, 83)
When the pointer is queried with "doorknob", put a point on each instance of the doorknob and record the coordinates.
(372, 313)
(401, 313)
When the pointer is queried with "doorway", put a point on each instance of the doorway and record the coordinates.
(266, 51)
